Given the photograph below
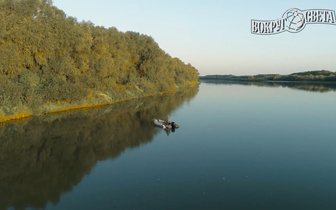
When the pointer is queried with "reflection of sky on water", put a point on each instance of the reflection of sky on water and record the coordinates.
(238, 147)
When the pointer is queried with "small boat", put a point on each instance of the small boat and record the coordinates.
(164, 124)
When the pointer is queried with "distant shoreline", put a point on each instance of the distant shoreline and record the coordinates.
(322, 76)
(268, 81)
(316, 81)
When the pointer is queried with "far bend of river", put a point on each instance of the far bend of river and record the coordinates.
(238, 147)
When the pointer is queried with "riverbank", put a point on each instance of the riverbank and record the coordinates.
(45, 70)
(61, 106)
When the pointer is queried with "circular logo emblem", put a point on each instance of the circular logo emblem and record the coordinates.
(295, 20)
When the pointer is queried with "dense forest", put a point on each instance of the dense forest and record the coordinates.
(51, 62)
(308, 76)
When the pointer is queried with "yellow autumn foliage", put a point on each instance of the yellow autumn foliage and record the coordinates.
(51, 62)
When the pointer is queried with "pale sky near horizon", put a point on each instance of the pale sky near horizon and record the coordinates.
(215, 35)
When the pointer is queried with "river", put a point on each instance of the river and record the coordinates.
(238, 147)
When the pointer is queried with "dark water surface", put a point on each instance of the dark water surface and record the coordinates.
(238, 147)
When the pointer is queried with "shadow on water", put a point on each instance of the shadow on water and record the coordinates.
(306, 86)
(43, 157)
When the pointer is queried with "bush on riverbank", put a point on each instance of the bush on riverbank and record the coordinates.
(52, 62)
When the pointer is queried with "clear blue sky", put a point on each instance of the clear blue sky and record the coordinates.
(215, 35)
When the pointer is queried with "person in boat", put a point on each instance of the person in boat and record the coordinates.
(173, 125)
(167, 120)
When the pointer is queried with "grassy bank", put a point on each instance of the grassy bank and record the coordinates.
(91, 101)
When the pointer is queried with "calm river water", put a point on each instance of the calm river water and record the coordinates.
(238, 147)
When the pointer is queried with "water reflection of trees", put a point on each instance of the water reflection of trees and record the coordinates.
(307, 86)
(43, 157)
